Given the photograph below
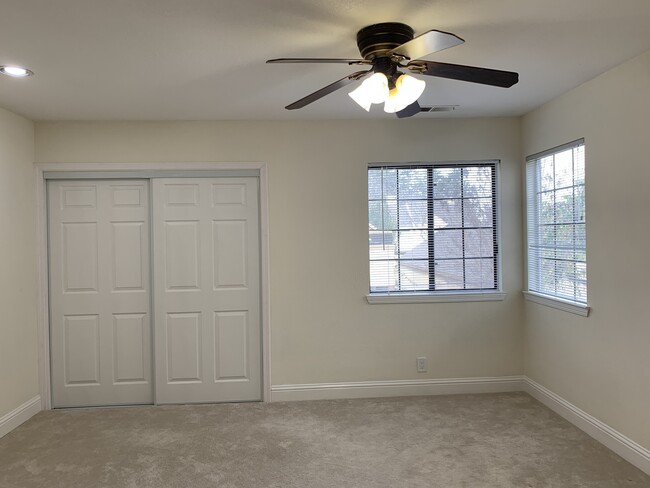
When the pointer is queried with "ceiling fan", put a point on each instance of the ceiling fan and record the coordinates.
(388, 48)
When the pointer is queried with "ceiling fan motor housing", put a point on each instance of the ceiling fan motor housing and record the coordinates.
(377, 39)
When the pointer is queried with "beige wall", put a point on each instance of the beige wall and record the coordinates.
(322, 328)
(602, 363)
(18, 342)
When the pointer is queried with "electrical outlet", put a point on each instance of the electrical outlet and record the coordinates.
(422, 365)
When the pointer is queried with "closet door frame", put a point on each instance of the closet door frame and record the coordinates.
(46, 171)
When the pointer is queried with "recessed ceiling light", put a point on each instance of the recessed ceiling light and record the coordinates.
(15, 71)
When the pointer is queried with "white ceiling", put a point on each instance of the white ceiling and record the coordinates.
(205, 59)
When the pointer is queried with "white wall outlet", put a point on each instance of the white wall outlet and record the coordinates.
(422, 365)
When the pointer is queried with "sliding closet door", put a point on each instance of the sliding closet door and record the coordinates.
(206, 290)
(99, 292)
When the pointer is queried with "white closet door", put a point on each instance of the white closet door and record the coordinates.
(206, 290)
(99, 292)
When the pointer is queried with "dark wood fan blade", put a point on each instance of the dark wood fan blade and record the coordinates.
(409, 111)
(427, 43)
(312, 97)
(473, 74)
(317, 60)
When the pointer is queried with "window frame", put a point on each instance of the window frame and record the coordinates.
(549, 300)
(429, 296)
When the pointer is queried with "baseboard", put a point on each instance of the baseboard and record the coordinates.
(19, 415)
(625, 447)
(372, 389)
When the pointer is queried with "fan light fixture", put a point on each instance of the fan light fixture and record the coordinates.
(15, 71)
(372, 90)
(375, 89)
(407, 90)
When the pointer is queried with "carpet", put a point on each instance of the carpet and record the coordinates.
(491, 440)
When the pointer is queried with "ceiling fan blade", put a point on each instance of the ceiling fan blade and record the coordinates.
(409, 111)
(473, 74)
(427, 43)
(317, 60)
(318, 94)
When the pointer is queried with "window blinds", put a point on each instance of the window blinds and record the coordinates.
(432, 227)
(555, 188)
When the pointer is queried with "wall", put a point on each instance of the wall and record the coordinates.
(18, 340)
(322, 328)
(602, 363)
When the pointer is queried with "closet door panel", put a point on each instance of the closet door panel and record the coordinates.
(100, 328)
(206, 281)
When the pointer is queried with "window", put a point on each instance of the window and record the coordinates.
(433, 228)
(555, 187)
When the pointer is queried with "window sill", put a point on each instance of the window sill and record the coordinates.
(558, 303)
(382, 298)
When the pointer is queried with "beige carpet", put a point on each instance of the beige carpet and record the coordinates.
(496, 440)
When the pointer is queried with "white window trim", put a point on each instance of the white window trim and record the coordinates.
(438, 297)
(533, 296)
(454, 296)
(554, 302)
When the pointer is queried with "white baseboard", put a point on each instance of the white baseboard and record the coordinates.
(372, 389)
(19, 415)
(625, 447)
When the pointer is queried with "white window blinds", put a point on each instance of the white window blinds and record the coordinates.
(555, 187)
(433, 227)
